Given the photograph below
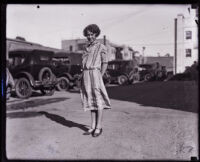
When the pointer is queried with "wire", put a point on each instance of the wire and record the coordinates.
(124, 18)
(159, 44)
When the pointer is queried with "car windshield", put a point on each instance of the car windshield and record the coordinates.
(114, 66)
(118, 65)
(45, 58)
(62, 60)
(146, 66)
(15, 61)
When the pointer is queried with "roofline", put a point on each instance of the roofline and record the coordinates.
(31, 43)
(82, 39)
(31, 50)
(21, 41)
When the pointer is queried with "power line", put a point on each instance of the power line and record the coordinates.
(124, 18)
(157, 33)
(158, 44)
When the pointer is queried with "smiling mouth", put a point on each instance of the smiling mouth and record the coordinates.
(90, 40)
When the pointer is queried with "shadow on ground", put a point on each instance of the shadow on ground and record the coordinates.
(172, 95)
(53, 117)
(23, 114)
(63, 121)
(34, 94)
(34, 103)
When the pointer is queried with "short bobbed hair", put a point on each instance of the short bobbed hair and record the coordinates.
(92, 28)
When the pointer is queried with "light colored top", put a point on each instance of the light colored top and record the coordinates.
(95, 54)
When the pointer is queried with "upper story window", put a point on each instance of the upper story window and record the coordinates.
(81, 46)
(70, 48)
(188, 35)
(188, 52)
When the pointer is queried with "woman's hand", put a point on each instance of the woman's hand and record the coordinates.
(103, 68)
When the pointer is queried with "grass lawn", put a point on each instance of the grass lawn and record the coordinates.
(180, 95)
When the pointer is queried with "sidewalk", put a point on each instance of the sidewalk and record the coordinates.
(51, 127)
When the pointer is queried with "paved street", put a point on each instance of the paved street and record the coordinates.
(51, 127)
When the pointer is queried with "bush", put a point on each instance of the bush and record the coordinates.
(191, 73)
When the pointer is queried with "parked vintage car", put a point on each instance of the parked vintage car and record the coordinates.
(154, 71)
(67, 69)
(122, 72)
(32, 70)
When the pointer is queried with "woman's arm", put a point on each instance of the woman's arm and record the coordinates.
(103, 67)
(104, 59)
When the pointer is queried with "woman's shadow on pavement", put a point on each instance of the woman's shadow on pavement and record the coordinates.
(63, 121)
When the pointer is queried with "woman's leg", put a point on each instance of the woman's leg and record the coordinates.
(99, 119)
(93, 119)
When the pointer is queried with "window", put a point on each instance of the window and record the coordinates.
(15, 61)
(111, 67)
(188, 35)
(81, 46)
(188, 52)
(61, 61)
(70, 48)
(11, 61)
(44, 58)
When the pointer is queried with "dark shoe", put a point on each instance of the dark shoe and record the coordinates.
(90, 131)
(97, 134)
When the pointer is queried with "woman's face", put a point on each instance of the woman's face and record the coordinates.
(91, 37)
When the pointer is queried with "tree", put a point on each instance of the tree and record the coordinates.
(167, 55)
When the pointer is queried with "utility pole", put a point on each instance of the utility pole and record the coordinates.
(104, 40)
(175, 45)
(143, 48)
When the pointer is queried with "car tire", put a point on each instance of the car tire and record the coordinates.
(106, 79)
(122, 79)
(48, 92)
(8, 92)
(63, 84)
(136, 78)
(23, 88)
(159, 75)
(147, 77)
(44, 70)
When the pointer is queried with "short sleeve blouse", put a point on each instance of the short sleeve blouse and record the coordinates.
(94, 55)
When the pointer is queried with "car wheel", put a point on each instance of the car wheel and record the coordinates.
(23, 88)
(122, 80)
(8, 92)
(159, 75)
(136, 78)
(48, 92)
(63, 84)
(147, 77)
(45, 74)
(107, 79)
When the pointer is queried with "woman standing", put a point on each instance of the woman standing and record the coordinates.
(93, 93)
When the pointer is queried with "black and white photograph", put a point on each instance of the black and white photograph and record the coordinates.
(102, 82)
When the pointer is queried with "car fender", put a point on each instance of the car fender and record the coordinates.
(26, 75)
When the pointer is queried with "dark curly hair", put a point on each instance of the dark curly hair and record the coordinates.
(92, 28)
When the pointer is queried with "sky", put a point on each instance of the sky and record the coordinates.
(150, 26)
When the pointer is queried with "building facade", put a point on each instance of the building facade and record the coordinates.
(166, 61)
(77, 45)
(114, 51)
(187, 41)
